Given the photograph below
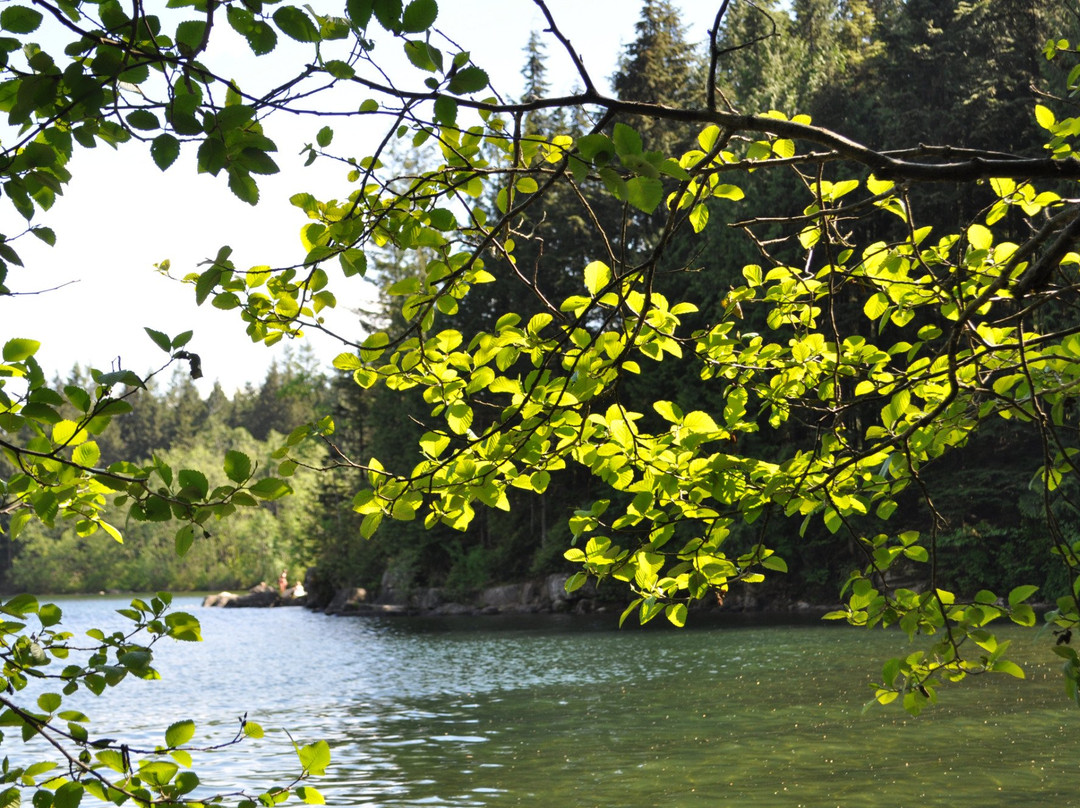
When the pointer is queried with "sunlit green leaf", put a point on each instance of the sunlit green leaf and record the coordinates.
(237, 466)
(17, 350)
(179, 733)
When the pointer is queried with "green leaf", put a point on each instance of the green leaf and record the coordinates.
(112, 759)
(310, 795)
(1044, 116)
(182, 626)
(261, 38)
(419, 16)
(733, 192)
(158, 772)
(388, 13)
(700, 422)
(164, 150)
(775, 563)
(676, 614)
(359, 12)
(314, 758)
(596, 148)
(699, 217)
(46, 234)
(244, 187)
(68, 433)
(468, 80)
(783, 148)
(626, 140)
(1021, 593)
(86, 454)
(295, 24)
(20, 20)
(143, 119)
(135, 661)
(1006, 666)
(980, 237)
(160, 339)
(270, 488)
(189, 36)
(876, 305)
(19, 350)
(50, 614)
(644, 193)
(339, 69)
(370, 524)
(49, 702)
(597, 276)
(237, 466)
(257, 161)
(193, 484)
(68, 795)
(179, 733)
(20, 605)
(185, 537)
(446, 110)
(326, 134)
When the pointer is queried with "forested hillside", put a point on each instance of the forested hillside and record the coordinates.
(888, 73)
(172, 422)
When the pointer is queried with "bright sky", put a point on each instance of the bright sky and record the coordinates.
(121, 215)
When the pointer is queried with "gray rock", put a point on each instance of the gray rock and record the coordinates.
(346, 600)
(220, 599)
(428, 599)
(510, 597)
(259, 596)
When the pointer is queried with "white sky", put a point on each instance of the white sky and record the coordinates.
(120, 215)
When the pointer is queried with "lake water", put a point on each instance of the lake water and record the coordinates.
(568, 712)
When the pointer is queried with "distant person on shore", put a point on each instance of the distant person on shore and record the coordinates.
(283, 581)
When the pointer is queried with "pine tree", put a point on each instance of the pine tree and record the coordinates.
(961, 72)
(755, 42)
(290, 395)
(660, 67)
(534, 73)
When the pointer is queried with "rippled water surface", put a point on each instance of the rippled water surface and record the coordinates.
(547, 711)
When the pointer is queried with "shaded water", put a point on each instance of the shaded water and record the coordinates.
(547, 711)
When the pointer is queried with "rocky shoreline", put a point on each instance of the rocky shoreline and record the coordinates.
(546, 595)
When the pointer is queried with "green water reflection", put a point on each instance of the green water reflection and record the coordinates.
(745, 716)
(538, 712)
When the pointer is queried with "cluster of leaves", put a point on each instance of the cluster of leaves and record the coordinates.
(53, 476)
(104, 768)
(55, 472)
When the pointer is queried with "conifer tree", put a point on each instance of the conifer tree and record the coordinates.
(534, 73)
(660, 66)
(755, 44)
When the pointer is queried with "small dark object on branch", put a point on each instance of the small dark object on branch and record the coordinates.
(194, 361)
